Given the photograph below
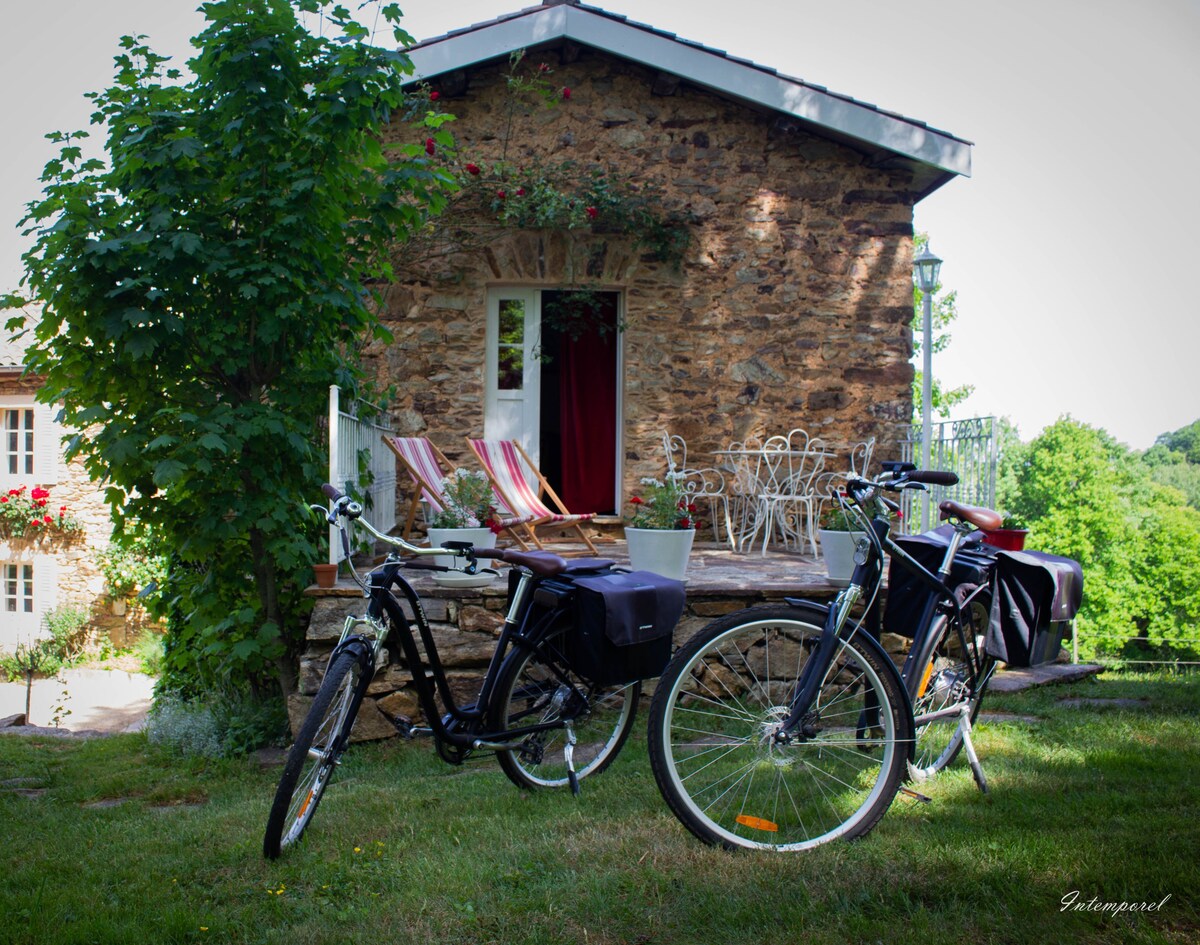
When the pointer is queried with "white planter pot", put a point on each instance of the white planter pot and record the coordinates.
(837, 548)
(663, 551)
(479, 537)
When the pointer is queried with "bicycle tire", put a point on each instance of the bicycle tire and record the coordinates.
(718, 705)
(943, 681)
(313, 757)
(537, 685)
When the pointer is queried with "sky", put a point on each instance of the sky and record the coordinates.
(1070, 246)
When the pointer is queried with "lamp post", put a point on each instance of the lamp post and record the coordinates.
(927, 267)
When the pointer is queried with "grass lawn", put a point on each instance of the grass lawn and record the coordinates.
(109, 840)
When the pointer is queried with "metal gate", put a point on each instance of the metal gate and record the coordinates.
(967, 447)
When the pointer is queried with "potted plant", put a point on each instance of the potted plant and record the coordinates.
(1010, 536)
(662, 528)
(837, 545)
(468, 514)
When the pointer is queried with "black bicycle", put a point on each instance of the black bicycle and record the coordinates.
(549, 725)
(786, 726)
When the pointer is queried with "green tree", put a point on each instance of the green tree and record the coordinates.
(1088, 497)
(1174, 460)
(945, 311)
(206, 283)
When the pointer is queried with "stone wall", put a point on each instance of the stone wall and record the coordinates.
(791, 308)
(466, 626)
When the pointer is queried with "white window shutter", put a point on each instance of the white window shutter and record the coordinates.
(45, 589)
(47, 445)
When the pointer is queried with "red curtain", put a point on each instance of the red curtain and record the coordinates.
(588, 416)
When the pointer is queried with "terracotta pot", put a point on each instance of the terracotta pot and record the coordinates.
(326, 574)
(1007, 539)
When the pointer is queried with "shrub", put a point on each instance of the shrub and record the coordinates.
(217, 724)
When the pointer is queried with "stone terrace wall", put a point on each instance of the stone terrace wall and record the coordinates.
(466, 625)
(792, 307)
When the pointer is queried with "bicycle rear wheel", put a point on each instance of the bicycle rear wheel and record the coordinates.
(722, 700)
(314, 755)
(536, 686)
(945, 681)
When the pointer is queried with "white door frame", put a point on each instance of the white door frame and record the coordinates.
(512, 414)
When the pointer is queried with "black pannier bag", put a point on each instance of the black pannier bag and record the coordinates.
(1034, 597)
(907, 595)
(623, 626)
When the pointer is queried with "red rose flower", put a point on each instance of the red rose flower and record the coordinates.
(429, 146)
(501, 194)
(38, 493)
(473, 169)
(566, 92)
(592, 213)
(543, 67)
(520, 191)
(434, 96)
(48, 520)
(635, 501)
(3, 498)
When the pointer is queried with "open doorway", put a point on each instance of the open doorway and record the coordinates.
(578, 436)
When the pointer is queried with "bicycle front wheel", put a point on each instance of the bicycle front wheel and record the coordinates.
(314, 755)
(537, 686)
(724, 698)
(945, 682)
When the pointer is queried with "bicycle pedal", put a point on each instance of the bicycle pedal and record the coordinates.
(915, 795)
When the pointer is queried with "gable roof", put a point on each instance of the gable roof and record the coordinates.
(936, 156)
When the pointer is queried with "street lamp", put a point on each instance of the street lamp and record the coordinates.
(927, 267)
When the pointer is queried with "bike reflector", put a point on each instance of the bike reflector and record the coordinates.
(757, 823)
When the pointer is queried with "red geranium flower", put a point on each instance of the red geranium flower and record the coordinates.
(48, 520)
(543, 67)
(592, 213)
(429, 146)
(472, 169)
(566, 92)
(520, 191)
(3, 498)
(635, 501)
(38, 493)
(501, 194)
(434, 96)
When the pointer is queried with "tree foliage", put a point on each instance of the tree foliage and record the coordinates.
(1174, 461)
(945, 310)
(1088, 497)
(206, 283)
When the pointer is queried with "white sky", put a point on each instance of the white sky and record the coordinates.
(1070, 247)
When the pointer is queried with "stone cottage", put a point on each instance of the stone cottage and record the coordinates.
(47, 567)
(787, 306)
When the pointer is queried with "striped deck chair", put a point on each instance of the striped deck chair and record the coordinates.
(427, 466)
(504, 461)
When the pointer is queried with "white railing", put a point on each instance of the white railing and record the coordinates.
(350, 438)
(966, 447)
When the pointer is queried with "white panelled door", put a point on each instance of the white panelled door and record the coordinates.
(513, 377)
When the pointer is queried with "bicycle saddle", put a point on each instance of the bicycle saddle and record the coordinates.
(981, 518)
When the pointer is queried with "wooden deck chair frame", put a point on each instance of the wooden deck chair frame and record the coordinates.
(544, 489)
(419, 483)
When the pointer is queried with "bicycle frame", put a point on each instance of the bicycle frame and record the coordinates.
(868, 574)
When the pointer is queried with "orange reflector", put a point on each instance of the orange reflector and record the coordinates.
(304, 806)
(757, 823)
(925, 679)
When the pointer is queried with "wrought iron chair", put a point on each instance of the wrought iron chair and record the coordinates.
(702, 484)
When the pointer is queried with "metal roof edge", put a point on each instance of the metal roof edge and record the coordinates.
(699, 65)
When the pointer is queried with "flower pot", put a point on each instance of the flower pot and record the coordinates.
(118, 606)
(837, 548)
(479, 537)
(326, 574)
(1006, 539)
(663, 551)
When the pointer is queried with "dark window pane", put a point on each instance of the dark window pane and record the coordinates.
(510, 374)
